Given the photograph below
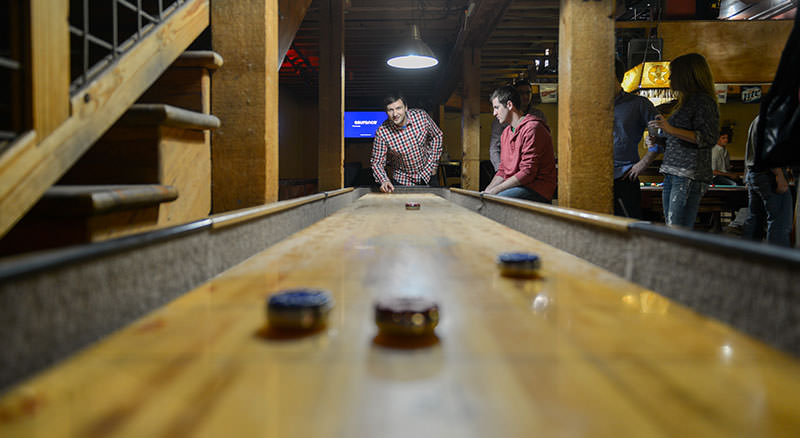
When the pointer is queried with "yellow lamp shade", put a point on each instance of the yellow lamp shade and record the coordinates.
(656, 75)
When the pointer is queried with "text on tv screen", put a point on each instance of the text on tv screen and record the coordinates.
(362, 124)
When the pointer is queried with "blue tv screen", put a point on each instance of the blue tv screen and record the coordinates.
(362, 124)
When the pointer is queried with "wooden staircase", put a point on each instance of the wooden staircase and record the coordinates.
(151, 169)
(64, 124)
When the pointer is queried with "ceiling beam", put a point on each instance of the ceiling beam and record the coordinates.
(479, 22)
(291, 13)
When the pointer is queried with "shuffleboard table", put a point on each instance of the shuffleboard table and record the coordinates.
(575, 351)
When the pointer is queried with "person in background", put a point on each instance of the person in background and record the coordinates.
(631, 116)
(721, 159)
(770, 201)
(527, 162)
(411, 143)
(691, 131)
(526, 106)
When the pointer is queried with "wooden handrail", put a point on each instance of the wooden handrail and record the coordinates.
(596, 219)
(229, 218)
(27, 170)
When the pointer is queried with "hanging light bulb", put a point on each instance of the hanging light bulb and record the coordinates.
(414, 54)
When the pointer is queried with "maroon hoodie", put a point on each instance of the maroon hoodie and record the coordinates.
(527, 153)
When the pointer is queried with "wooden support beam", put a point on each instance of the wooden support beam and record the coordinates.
(585, 105)
(471, 120)
(291, 16)
(48, 74)
(331, 95)
(478, 25)
(245, 97)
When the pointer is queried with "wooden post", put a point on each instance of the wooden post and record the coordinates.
(49, 65)
(585, 105)
(470, 120)
(331, 95)
(245, 98)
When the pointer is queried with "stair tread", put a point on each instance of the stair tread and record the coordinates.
(199, 58)
(168, 115)
(88, 200)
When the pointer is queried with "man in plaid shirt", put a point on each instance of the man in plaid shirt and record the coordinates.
(411, 143)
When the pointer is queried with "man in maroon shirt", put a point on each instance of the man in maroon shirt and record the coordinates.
(527, 163)
(411, 143)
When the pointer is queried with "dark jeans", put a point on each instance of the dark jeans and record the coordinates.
(767, 208)
(522, 192)
(722, 180)
(627, 198)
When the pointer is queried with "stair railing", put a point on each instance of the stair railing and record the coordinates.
(69, 105)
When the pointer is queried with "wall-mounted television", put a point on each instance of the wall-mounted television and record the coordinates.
(362, 124)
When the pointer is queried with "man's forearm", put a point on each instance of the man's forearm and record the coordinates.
(495, 181)
(507, 184)
(648, 158)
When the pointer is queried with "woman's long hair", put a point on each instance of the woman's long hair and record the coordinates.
(689, 74)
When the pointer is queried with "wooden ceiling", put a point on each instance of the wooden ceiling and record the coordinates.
(512, 35)
(520, 32)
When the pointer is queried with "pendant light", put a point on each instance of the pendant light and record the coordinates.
(414, 54)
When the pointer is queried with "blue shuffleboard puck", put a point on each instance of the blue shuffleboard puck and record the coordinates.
(519, 264)
(299, 309)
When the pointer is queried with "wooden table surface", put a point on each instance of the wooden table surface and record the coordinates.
(577, 352)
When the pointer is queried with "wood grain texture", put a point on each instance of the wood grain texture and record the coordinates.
(185, 163)
(49, 65)
(471, 120)
(187, 88)
(736, 51)
(585, 105)
(331, 96)
(25, 173)
(576, 352)
(245, 98)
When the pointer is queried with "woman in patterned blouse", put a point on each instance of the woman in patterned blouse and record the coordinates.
(691, 131)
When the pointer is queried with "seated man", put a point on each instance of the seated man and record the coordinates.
(527, 163)
(526, 105)
(721, 159)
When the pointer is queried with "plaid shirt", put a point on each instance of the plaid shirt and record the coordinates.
(412, 151)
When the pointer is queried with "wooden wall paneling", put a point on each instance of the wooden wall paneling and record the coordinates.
(177, 147)
(585, 105)
(471, 120)
(737, 51)
(245, 98)
(331, 95)
(291, 13)
(48, 74)
(26, 172)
